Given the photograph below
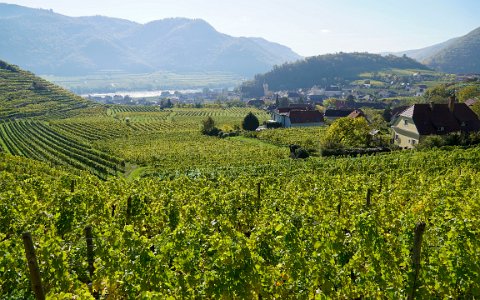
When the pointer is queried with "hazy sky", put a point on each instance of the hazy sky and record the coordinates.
(309, 27)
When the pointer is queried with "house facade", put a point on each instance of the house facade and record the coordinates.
(421, 120)
(298, 118)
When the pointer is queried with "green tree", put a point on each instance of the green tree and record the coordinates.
(468, 92)
(208, 127)
(438, 94)
(250, 122)
(347, 133)
(330, 102)
(476, 108)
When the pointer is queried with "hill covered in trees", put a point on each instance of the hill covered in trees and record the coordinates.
(324, 70)
(48, 43)
(457, 55)
(461, 56)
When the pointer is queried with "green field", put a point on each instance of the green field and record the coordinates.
(179, 215)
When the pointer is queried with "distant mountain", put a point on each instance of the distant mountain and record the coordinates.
(423, 54)
(324, 70)
(49, 43)
(461, 56)
(457, 55)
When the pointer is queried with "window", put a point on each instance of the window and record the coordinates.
(441, 128)
(414, 142)
(405, 122)
(396, 136)
(463, 124)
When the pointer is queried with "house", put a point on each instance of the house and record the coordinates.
(357, 113)
(333, 91)
(333, 114)
(395, 112)
(293, 106)
(294, 96)
(298, 118)
(317, 99)
(421, 120)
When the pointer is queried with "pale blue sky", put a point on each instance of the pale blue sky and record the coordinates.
(309, 27)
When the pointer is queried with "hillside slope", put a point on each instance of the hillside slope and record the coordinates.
(457, 55)
(49, 43)
(423, 54)
(22, 94)
(461, 56)
(325, 69)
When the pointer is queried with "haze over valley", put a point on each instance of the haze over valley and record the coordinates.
(106, 54)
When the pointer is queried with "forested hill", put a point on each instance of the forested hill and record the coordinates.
(22, 94)
(461, 56)
(325, 69)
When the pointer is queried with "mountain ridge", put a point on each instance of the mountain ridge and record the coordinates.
(46, 42)
(457, 55)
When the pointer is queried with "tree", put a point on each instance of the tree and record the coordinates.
(330, 102)
(250, 122)
(468, 92)
(347, 133)
(208, 127)
(438, 94)
(476, 108)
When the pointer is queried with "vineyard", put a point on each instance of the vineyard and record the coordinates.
(23, 94)
(36, 140)
(308, 232)
(126, 202)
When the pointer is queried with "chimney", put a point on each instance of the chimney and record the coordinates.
(451, 103)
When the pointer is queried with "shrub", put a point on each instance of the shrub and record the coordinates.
(250, 122)
(208, 127)
(298, 152)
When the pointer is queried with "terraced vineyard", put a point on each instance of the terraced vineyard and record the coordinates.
(34, 139)
(23, 94)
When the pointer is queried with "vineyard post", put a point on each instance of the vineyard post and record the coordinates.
(259, 194)
(72, 186)
(33, 266)
(369, 196)
(417, 248)
(339, 206)
(90, 254)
